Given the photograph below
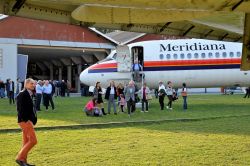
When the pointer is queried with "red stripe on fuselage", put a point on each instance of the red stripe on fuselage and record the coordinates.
(191, 62)
(175, 63)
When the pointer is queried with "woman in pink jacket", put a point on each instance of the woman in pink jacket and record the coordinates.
(91, 108)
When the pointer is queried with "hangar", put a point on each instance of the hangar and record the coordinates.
(55, 51)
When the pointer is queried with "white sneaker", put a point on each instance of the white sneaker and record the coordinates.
(167, 107)
(146, 111)
(170, 108)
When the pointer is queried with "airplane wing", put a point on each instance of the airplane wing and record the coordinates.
(209, 19)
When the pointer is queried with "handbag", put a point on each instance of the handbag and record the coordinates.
(183, 93)
(149, 97)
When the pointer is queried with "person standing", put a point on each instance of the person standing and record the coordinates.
(161, 93)
(122, 102)
(120, 90)
(144, 100)
(169, 92)
(184, 96)
(63, 88)
(68, 87)
(39, 93)
(57, 88)
(27, 118)
(2, 89)
(47, 94)
(129, 92)
(247, 92)
(98, 95)
(111, 96)
(18, 86)
(10, 89)
(137, 67)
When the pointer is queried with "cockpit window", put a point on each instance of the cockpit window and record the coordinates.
(114, 56)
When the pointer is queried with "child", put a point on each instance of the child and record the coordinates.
(91, 108)
(122, 102)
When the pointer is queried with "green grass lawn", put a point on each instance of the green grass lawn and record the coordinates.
(69, 111)
(222, 141)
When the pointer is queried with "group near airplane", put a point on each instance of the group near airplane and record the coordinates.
(197, 62)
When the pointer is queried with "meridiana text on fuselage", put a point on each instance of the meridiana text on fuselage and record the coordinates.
(191, 47)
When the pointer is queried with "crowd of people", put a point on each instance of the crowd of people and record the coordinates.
(127, 96)
(43, 92)
(117, 96)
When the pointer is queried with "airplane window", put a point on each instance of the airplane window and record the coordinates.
(196, 55)
(182, 56)
(114, 56)
(238, 54)
(189, 55)
(168, 56)
(224, 54)
(231, 54)
(161, 56)
(217, 54)
(175, 56)
(210, 55)
(203, 55)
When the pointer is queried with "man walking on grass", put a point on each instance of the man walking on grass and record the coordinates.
(26, 120)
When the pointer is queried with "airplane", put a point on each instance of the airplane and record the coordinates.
(227, 20)
(197, 62)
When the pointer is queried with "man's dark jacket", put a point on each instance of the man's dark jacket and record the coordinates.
(108, 93)
(25, 108)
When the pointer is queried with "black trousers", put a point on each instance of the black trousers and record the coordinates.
(38, 101)
(144, 101)
(161, 101)
(170, 100)
(130, 105)
(247, 93)
(11, 97)
(48, 99)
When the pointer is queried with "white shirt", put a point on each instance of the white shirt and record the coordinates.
(47, 89)
(161, 87)
(112, 91)
(18, 87)
(169, 90)
(39, 89)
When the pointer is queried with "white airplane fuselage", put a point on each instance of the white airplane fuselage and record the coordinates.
(198, 63)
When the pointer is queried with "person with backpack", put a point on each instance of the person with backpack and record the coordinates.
(161, 94)
(184, 96)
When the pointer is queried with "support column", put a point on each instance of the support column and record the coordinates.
(51, 71)
(78, 82)
(69, 71)
(60, 73)
(78, 62)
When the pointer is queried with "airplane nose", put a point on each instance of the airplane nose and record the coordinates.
(84, 77)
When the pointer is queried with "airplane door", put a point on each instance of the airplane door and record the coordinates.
(123, 59)
(137, 55)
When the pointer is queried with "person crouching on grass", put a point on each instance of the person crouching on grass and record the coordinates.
(91, 108)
